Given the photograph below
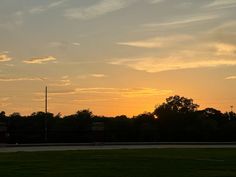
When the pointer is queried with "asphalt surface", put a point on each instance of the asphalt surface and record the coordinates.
(63, 147)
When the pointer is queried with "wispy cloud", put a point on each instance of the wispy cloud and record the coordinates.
(63, 82)
(5, 79)
(41, 9)
(153, 43)
(92, 100)
(117, 92)
(13, 20)
(10, 65)
(56, 3)
(76, 44)
(230, 78)
(153, 65)
(97, 94)
(60, 92)
(183, 21)
(40, 99)
(157, 42)
(5, 101)
(222, 4)
(155, 1)
(98, 75)
(96, 90)
(144, 92)
(4, 57)
(101, 8)
(95, 75)
(37, 10)
(125, 92)
(41, 60)
(65, 77)
(63, 45)
(18, 17)
(225, 49)
(56, 44)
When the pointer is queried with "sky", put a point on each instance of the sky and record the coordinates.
(116, 57)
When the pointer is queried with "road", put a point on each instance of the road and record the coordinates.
(64, 147)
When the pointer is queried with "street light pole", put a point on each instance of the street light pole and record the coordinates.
(46, 112)
(46, 99)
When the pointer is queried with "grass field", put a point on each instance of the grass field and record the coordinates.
(121, 163)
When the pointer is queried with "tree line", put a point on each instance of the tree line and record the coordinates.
(177, 119)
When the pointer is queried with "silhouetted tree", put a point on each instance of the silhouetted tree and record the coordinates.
(145, 116)
(121, 117)
(58, 115)
(146, 127)
(213, 114)
(84, 114)
(2, 115)
(15, 115)
(176, 104)
(232, 116)
(177, 119)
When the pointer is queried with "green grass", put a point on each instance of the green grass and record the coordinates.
(121, 163)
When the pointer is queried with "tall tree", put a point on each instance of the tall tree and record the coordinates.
(176, 104)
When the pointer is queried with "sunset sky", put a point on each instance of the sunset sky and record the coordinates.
(116, 56)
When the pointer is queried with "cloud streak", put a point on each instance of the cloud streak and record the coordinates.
(153, 65)
(4, 57)
(98, 75)
(41, 9)
(63, 82)
(41, 60)
(155, 1)
(12, 20)
(61, 92)
(95, 75)
(222, 4)
(5, 101)
(231, 78)
(125, 92)
(157, 42)
(225, 49)
(101, 8)
(111, 92)
(184, 21)
(19, 79)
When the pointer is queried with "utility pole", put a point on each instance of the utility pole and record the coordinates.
(46, 112)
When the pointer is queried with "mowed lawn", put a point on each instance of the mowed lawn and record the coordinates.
(121, 163)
